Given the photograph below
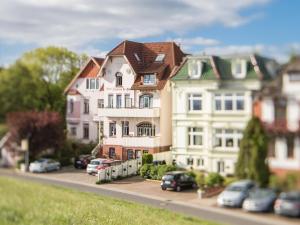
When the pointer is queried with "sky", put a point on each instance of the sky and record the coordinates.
(268, 27)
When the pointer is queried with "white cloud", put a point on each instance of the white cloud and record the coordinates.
(75, 23)
(188, 43)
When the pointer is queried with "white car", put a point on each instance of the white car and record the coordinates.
(44, 165)
(92, 167)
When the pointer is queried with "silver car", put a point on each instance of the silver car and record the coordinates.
(235, 193)
(288, 204)
(44, 165)
(92, 167)
(260, 200)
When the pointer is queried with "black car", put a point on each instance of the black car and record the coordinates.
(177, 180)
(82, 161)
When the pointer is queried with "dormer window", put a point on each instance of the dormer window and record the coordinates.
(92, 84)
(119, 79)
(149, 79)
(238, 68)
(137, 57)
(195, 68)
(160, 57)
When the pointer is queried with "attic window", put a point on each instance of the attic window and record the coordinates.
(160, 57)
(149, 79)
(195, 68)
(238, 68)
(137, 57)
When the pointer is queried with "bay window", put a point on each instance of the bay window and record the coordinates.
(227, 138)
(229, 102)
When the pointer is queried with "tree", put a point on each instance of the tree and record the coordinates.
(37, 80)
(43, 129)
(252, 163)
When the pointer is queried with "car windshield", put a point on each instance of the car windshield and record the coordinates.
(292, 196)
(168, 177)
(260, 193)
(235, 188)
(40, 160)
(95, 162)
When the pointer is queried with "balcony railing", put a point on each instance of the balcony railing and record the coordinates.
(129, 112)
(133, 141)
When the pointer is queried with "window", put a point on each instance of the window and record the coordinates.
(195, 102)
(160, 57)
(119, 101)
(125, 128)
(71, 106)
(87, 82)
(127, 101)
(195, 68)
(137, 57)
(119, 79)
(73, 131)
(111, 153)
(149, 79)
(220, 166)
(145, 129)
(229, 102)
(146, 101)
(112, 129)
(294, 77)
(110, 101)
(145, 151)
(100, 103)
(195, 136)
(200, 162)
(290, 147)
(129, 154)
(86, 107)
(92, 84)
(238, 68)
(138, 154)
(190, 161)
(227, 138)
(86, 131)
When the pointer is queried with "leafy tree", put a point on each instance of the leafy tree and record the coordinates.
(43, 130)
(251, 162)
(37, 80)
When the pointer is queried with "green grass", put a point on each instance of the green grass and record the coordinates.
(23, 202)
(3, 130)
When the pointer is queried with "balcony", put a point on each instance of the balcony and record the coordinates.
(133, 141)
(129, 112)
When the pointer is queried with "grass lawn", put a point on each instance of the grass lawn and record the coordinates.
(23, 202)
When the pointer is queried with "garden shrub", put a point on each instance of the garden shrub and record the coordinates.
(214, 179)
(147, 159)
(200, 179)
(153, 172)
(145, 170)
(287, 183)
(229, 180)
(192, 174)
(163, 169)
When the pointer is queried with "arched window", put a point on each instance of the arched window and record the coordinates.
(145, 129)
(146, 101)
(119, 79)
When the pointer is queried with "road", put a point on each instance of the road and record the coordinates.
(213, 214)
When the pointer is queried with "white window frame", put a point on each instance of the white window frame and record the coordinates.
(195, 68)
(149, 79)
(226, 134)
(192, 132)
(238, 74)
(92, 84)
(234, 97)
(194, 97)
(112, 130)
(160, 57)
(100, 103)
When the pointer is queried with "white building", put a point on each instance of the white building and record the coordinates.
(130, 99)
(212, 103)
(278, 106)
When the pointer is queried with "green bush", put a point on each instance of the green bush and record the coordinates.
(154, 172)
(200, 179)
(287, 183)
(229, 180)
(147, 159)
(192, 174)
(150, 171)
(145, 170)
(163, 169)
(214, 179)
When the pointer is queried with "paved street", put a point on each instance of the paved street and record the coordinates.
(148, 192)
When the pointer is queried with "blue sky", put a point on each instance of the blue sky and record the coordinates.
(269, 27)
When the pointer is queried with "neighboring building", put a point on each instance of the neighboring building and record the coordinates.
(278, 106)
(82, 96)
(212, 103)
(131, 99)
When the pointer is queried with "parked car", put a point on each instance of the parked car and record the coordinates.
(159, 162)
(288, 204)
(44, 165)
(82, 161)
(92, 166)
(260, 200)
(177, 180)
(108, 163)
(235, 194)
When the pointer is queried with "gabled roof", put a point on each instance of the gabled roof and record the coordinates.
(219, 67)
(97, 61)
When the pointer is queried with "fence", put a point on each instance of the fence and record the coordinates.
(128, 168)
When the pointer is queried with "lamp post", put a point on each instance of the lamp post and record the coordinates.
(25, 148)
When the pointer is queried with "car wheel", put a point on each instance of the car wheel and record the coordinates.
(163, 188)
(178, 188)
